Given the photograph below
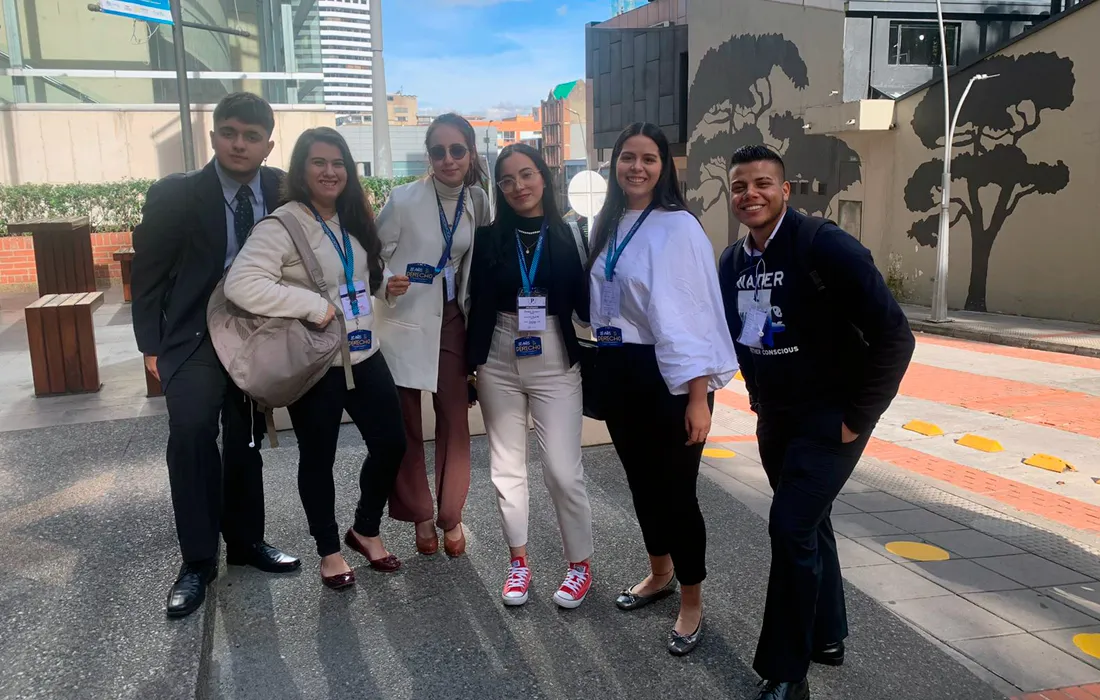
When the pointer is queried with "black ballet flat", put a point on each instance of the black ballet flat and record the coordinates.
(633, 601)
(683, 644)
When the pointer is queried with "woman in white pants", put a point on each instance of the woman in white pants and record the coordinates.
(526, 283)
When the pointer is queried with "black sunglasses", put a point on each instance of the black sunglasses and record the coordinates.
(457, 150)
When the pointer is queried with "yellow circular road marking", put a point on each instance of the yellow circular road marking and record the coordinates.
(1088, 643)
(719, 453)
(918, 551)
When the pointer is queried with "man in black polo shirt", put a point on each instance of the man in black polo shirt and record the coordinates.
(823, 347)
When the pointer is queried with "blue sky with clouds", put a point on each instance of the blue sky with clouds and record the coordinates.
(493, 57)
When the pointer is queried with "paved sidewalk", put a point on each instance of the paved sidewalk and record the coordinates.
(1019, 331)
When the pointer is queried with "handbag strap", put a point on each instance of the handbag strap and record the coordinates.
(297, 233)
(578, 238)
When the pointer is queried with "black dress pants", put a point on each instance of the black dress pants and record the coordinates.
(807, 466)
(646, 423)
(213, 493)
(375, 409)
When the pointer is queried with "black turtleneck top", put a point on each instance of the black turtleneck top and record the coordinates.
(508, 281)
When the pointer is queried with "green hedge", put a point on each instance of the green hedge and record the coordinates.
(114, 206)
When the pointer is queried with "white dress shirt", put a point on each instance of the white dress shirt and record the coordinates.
(230, 187)
(669, 298)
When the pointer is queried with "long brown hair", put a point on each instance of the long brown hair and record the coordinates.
(476, 174)
(351, 205)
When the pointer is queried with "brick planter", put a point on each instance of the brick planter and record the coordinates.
(17, 269)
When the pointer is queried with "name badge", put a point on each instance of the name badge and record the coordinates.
(420, 273)
(753, 328)
(609, 299)
(361, 297)
(449, 278)
(359, 341)
(531, 309)
(609, 337)
(528, 346)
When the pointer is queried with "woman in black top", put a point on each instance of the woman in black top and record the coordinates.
(526, 283)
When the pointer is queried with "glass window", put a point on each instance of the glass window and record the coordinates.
(918, 43)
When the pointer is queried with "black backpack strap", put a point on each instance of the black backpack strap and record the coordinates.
(804, 242)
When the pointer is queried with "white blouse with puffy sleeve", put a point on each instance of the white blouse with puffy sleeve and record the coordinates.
(670, 298)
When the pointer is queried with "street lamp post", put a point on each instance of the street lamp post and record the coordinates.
(939, 292)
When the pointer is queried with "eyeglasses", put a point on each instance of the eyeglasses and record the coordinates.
(457, 151)
(527, 178)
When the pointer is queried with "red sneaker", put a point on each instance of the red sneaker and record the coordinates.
(575, 586)
(517, 583)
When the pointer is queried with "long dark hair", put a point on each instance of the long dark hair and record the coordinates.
(666, 195)
(475, 175)
(506, 216)
(351, 205)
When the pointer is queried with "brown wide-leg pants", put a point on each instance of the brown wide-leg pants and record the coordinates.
(411, 500)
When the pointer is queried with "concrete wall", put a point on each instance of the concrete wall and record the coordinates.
(63, 146)
(1026, 165)
(755, 68)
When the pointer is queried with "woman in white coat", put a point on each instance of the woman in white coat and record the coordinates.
(427, 232)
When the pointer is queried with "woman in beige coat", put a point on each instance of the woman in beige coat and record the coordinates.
(427, 231)
(269, 279)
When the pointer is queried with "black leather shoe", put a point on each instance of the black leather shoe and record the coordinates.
(829, 655)
(263, 557)
(783, 690)
(189, 590)
(683, 644)
(633, 601)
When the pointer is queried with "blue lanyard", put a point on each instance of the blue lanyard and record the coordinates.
(525, 273)
(613, 252)
(449, 228)
(347, 258)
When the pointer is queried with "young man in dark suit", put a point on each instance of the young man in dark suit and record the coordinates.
(823, 348)
(193, 225)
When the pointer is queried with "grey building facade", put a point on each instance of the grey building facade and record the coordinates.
(893, 46)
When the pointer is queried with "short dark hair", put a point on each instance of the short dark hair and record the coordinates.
(249, 108)
(755, 154)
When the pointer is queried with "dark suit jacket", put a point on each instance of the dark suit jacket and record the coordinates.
(568, 288)
(179, 256)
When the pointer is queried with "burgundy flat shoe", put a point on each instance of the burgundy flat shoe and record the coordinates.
(386, 564)
(339, 581)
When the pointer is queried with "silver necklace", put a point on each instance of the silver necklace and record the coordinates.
(528, 248)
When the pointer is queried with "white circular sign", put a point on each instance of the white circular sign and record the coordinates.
(587, 190)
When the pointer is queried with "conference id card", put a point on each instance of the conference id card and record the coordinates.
(531, 308)
(361, 297)
(359, 341)
(609, 300)
(609, 337)
(753, 325)
(420, 273)
(449, 279)
(529, 346)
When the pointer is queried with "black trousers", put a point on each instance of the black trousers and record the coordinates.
(646, 423)
(213, 493)
(807, 465)
(376, 411)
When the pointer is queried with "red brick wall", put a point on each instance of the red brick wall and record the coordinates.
(17, 259)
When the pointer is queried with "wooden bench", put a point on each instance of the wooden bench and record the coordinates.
(62, 343)
(62, 253)
(125, 259)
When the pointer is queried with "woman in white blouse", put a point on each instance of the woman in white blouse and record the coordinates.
(268, 278)
(664, 348)
(427, 231)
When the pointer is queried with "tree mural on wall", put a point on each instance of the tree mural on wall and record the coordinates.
(731, 104)
(986, 152)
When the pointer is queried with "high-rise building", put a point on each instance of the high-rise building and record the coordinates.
(346, 55)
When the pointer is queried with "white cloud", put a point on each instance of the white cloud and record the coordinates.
(563, 10)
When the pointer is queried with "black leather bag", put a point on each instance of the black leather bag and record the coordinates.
(590, 379)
